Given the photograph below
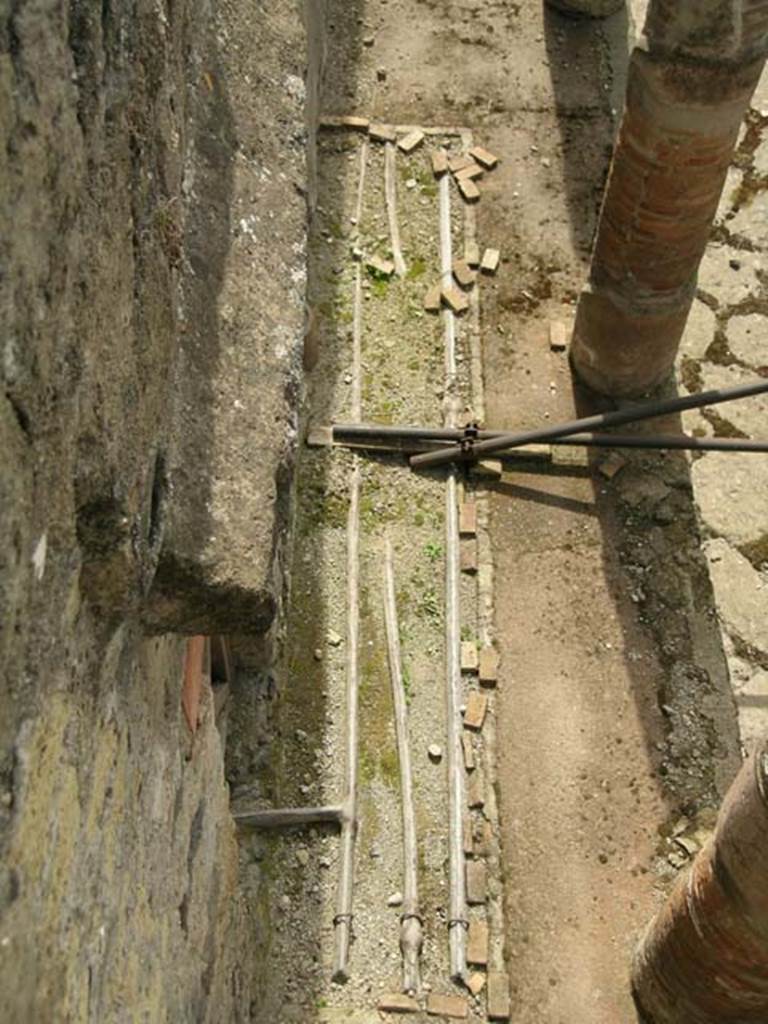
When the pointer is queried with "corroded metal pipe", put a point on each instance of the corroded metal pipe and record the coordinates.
(704, 959)
(691, 76)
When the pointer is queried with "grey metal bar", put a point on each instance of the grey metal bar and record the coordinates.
(644, 411)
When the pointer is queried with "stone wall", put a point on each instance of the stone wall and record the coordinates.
(153, 222)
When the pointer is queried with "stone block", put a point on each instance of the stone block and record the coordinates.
(740, 594)
(731, 489)
(748, 339)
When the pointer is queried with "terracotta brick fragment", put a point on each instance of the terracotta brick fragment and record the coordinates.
(468, 843)
(439, 162)
(468, 751)
(472, 254)
(484, 157)
(476, 983)
(477, 943)
(382, 133)
(454, 1007)
(477, 706)
(484, 838)
(459, 163)
(477, 882)
(397, 1002)
(469, 660)
(361, 124)
(468, 555)
(468, 519)
(455, 299)
(463, 273)
(476, 791)
(381, 266)
(490, 261)
(433, 299)
(558, 336)
(468, 189)
(471, 173)
(489, 665)
(411, 141)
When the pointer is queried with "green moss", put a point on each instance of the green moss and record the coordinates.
(416, 269)
(378, 755)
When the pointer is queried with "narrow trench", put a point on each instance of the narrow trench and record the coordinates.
(594, 753)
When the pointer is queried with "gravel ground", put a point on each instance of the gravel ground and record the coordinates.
(402, 382)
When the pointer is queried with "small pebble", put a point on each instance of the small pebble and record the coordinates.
(435, 752)
(395, 900)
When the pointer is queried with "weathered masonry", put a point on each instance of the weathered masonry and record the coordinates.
(156, 177)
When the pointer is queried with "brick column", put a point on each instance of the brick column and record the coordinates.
(690, 80)
(704, 959)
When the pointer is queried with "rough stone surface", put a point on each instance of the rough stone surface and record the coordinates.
(454, 1007)
(751, 220)
(241, 321)
(699, 331)
(499, 1003)
(137, 167)
(732, 488)
(728, 275)
(741, 593)
(748, 338)
(746, 417)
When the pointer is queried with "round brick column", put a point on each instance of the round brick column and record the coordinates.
(704, 960)
(688, 87)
